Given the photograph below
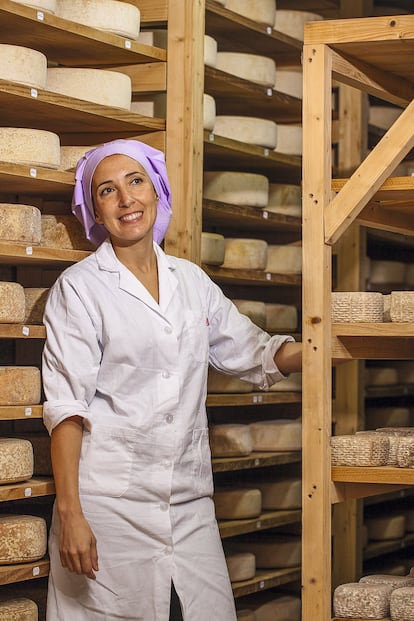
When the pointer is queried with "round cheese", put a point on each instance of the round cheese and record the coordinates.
(248, 129)
(20, 224)
(272, 607)
(12, 304)
(236, 188)
(261, 11)
(245, 254)
(237, 504)
(360, 450)
(395, 581)
(360, 600)
(16, 460)
(23, 65)
(276, 435)
(246, 615)
(393, 445)
(121, 18)
(357, 306)
(402, 306)
(385, 527)
(384, 272)
(285, 199)
(19, 609)
(292, 383)
(241, 566)
(383, 116)
(49, 6)
(35, 301)
(210, 51)
(271, 550)
(35, 147)
(107, 88)
(281, 494)
(292, 22)
(156, 38)
(63, 232)
(387, 417)
(381, 376)
(289, 80)
(19, 385)
(230, 440)
(70, 156)
(209, 112)
(155, 106)
(289, 139)
(255, 310)
(405, 451)
(212, 248)
(281, 317)
(402, 604)
(22, 538)
(252, 67)
(284, 259)
(219, 382)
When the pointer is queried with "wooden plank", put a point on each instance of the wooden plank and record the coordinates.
(20, 412)
(342, 492)
(27, 489)
(268, 519)
(16, 255)
(252, 398)
(379, 341)
(395, 217)
(373, 474)
(35, 180)
(251, 277)
(153, 12)
(254, 460)
(392, 190)
(24, 571)
(361, 30)
(21, 331)
(266, 580)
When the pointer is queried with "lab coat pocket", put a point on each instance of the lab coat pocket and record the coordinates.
(202, 456)
(196, 334)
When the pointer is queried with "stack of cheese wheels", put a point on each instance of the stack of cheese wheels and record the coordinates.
(292, 23)
(230, 440)
(402, 306)
(261, 11)
(370, 449)
(383, 116)
(35, 147)
(20, 224)
(245, 254)
(276, 435)
(284, 259)
(280, 493)
(23, 65)
(35, 301)
(385, 527)
(362, 600)
(247, 129)
(16, 460)
(401, 603)
(285, 198)
(357, 306)
(155, 38)
(49, 6)
(241, 566)
(63, 232)
(70, 156)
(252, 67)
(381, 376)
(254, 309)
(270, 549)
(107, 88)
(121, 18)
(236, 188)
(212, 248)
(19, 385)
(219, 382)
(291, 383)
(210, 51)
(387, 416)
(274, 607)
(289, 139)
(12, 302)
(385, 272)
(234, 503)
(19, 608)
(22, 538)
(281, 317)
(289, 80)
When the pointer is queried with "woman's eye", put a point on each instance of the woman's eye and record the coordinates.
(106, 191)
(136, 180)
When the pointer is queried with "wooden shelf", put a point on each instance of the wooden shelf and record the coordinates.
(252, 398)
(375, 474)
(69, 43)
(24, 571)
(255, 460)
(38, 486)
(35, 180)
(379, 392)
(251, 277)
(342, 619)
(373, 341)
(20, 412)
(21, 331)
(266, 580)
(16, 255)
(378, 548)
(408, 492)
(270, 519)
(234, 95)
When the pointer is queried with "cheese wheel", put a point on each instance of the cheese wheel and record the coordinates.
(236, 188)
(292, 23)
(212, 248)
(276, 435)
(292, 383)
(360, 450)
(384, 272)
(23, 65)
(405, 452)
(381, 376)
(156, 105)
(20, 224)
(210, 51)
(70, 156)
(247, 129)
(245, 254)
(19, 385)
(285, 198)
(219, 382)
(271, 550)
(22, 538)
(241, 566)
(281, 493)
(107, 88)
(16, 460)
(35, 147)
(40, 443)
(385, 527)
(289, 139)
(155, 38)
(35, 301)
(402, 306)
(272, 607)
(230, 440)
(357, 306)
(261, 11)
(209, 112)
(360, 600)
(19, 609)
(284, 259)
(121, 18)
(383, 116)
(254, 309)
(289, 80)
(281, 317)
(49, 6)
(402, 604)
(237, 504)
(245, 615)
(393, 442)
(387, 417)
(63, 232)
(12, 303)
(395, 581)
(252, 67)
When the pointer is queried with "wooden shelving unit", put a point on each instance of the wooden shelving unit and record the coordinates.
(254, 460)
(266, 580)
(269, 519)
(10, 574)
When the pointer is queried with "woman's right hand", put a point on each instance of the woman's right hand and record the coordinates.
(77, 545)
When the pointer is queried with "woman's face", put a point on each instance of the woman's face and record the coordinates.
(124, 199)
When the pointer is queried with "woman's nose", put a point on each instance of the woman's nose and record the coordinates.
(125, 198)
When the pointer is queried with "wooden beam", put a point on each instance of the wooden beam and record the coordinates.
(341, 492)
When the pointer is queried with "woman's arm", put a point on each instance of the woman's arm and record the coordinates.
(288, 358)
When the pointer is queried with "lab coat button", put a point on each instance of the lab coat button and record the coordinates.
(165, 374)
(164, 506)
(169, 418)
(168, 330)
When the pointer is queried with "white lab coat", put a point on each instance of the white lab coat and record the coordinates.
(136, 372)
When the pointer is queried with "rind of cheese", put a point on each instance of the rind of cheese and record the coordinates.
(241, 566)
(210, 51)
(121, 18)
(292, 22)
(395, 581)
(284, 259)
(384, 272)
(156, 38)
(63, 232)
(236, 188)
(289, 80)
(383, 116)
(23, 65)
(230, 440)
(252, 67)
(281, 317)
(12, 303)
(220, 382)
(70, 156)
(19, 609)
(285, 198)
(394, 442)
(289, 139)
(35, 147)
(385, 527)
(362, 600)
(261, 11)
(402, 306)
(405, 452)
(360, 450)
(276, 435)
(280, 494)
(271, 550)
(20, 224)
(16, 460)
(35, 301)
(247, 129)
(387, 417)
(19, 385)
(402, 604)
(155, 106)
(381, 376)
(107, 88)
(357, 306)
(22, 538)
(237, 504)
(212, 248)
(245, 254)
(254, 309)
(209, 112)
(292, 383)
(49, 6)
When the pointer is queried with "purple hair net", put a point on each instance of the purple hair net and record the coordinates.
(153, 162)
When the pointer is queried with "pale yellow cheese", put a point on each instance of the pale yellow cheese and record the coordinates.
(359, 600)
(284, 259)
(19, 385)
(281, 317)
(385, 527)
(156, 38)
(258, 69)
(70, 156)
(271, 550)
(276, 435)
(153, 105)
(254, 309)
(35, 147)
(273, 607)
(121, 18)
(241, 566)
(292, 383)
(385, 272)
(236, 188)
(360, 450)
(12, 304)
(49, 6)
(220, 382)
(383, 116)
(209, 112)
(20, 224)
(63, 232)
(357, 306)
(100, 86)
(247, 129)
(210, 51)
(292, 22)
(285, 199)
(35, 301)
(381, 376)
(237, 503)
(230, 440)
(289, 80)
(22, 538)
(405, 451)
(16, 460)
(212, 248)
(393, 443)
(262, 11)
(18, 609)
(245, 254)
(289, 139)
(387, 417)
(246, 615)
(402, 604)
(280, 494)
(23, 65)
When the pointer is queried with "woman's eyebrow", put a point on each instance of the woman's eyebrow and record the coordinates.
(130, 174)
